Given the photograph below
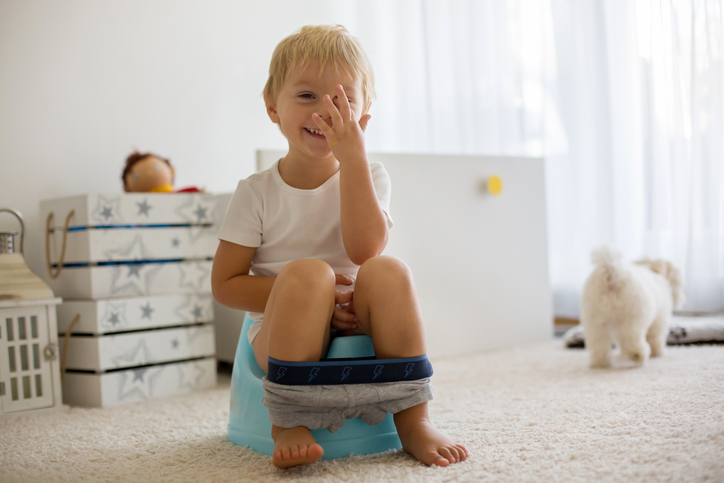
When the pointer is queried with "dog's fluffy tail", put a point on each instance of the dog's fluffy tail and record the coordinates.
(611, 262)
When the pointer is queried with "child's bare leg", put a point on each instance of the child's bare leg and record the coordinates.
(296, 327)
(385, 303)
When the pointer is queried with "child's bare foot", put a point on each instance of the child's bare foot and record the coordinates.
(294, 446)
(420, 438)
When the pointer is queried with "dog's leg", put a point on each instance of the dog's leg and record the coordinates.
(656, 335)
(633, 342)
(598, 342)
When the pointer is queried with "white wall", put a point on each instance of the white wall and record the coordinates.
(84, 82)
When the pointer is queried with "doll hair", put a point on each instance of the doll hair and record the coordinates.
(327, 44)
(135, 157)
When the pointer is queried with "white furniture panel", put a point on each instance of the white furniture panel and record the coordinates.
(139, 384)
(107, 316)
(124, 244)
(135, 279)
(140, 348)
(480, 261)
(132, 209)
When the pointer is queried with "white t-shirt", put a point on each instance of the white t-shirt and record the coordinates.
(287, 224)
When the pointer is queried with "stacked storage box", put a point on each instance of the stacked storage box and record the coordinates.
(136, 271)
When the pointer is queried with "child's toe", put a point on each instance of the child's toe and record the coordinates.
(447, 454)
(463, 452)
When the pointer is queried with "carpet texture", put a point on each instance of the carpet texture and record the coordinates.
(532, 413)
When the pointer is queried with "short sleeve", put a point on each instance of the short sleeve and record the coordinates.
(243, 222)
(383, 189)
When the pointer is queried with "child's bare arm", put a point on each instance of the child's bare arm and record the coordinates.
(364, 225)
(231, 283)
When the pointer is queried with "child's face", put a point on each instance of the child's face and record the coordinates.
(301, 96)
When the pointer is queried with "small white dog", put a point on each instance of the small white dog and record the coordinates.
(629, 302)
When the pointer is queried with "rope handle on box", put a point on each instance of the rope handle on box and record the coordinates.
(65, 346)
(48, 229)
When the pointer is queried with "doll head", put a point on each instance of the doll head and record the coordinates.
(327, 44)
(146, 172)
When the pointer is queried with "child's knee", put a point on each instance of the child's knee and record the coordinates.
(307, 275)
(307, 271)
(385, 268)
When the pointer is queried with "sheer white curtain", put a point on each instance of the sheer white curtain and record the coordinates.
(625, 100)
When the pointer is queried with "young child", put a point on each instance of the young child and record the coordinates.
(300, 247)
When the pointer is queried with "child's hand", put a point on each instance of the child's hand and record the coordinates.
(345, 136)
(343, 317)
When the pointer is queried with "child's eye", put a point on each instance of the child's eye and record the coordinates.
(306, 96)
(348, 99)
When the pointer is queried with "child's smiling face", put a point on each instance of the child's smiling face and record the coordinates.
(301, 96)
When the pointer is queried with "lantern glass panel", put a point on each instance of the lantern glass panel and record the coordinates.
(24, 358)
(39, 385)
(21, 328)
(14, 388)
(26, 387)
(36, 356)
(34, 326)
(11, 356)
(9, 323)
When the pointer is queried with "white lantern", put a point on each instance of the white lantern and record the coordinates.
(29, 366)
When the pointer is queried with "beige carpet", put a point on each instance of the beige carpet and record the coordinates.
(534, 413)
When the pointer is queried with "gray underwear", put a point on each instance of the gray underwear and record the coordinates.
(326, 407)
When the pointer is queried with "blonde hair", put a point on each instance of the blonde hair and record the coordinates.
(327, 44)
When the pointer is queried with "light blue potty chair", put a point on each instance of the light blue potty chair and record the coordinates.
(249, 423)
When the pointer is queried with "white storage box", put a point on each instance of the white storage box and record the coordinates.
(129, 209)
(133, 279)
(133, 244)
(138, 384)
(135, 313)
(128, 244)
(135, 273)
(100, 353)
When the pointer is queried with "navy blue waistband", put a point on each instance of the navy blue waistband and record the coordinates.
(348, 371)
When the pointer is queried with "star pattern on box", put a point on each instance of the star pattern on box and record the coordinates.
(194, 308)
(135, 250)
(139, 355)
(147, 310)
(190, 376)
(143, 207)
(197, 232)
(138, 384)
(197, 210)
(193, 275)
(107, 210)
(135, 279)
(114, 317)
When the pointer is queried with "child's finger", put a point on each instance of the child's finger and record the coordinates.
(340, 279)
(344, 316)
(341, 298)
(345, 108)
(323, 126)
(337, 120)
(343, 326)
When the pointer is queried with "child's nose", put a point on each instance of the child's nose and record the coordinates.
(324, 114)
